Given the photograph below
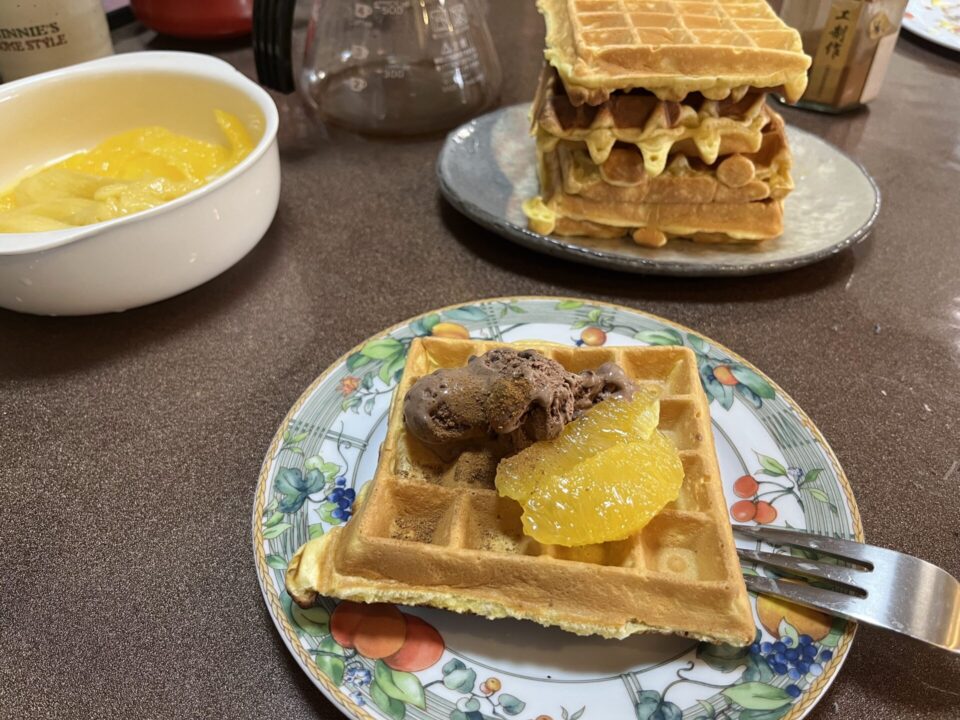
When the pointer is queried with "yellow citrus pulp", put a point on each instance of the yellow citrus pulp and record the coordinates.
(126, 173)
(604, 478)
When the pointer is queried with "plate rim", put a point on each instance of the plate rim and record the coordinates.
(817, 689)
(555, 247)
(915, 30)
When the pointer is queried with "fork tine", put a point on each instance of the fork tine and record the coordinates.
(903, 594)
(845, 606)
(851, 577)
(844, 549)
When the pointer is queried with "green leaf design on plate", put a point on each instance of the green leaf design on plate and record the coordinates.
(651, 706)
(313, 621)
(722, 657)
(391, 707)
(467, 313)
(389, 368)
(469, 715)
(314, 530)
(699, 346)
(818, 494)
(726, 397)
(758, 670)
(811, 476)
(273, 519)
(366, 382)
(350, 402)
(771, 466)
(330, 660)
(368, 405)
(276, 562)
(647, 704)
(276, 531)
(748, 395)
(836, 632)
(785, 629)
(423, 326)
(709, 712)
(757, 696)
(291, 437)
(452, 665)
(324, 511)
(399, 685)
(578, 714)
(753, 381)
(382, 349)
(666, 336)
(569, 304)
(594, 315)
(461, 679)
(358, 360)
(511, 705)
(472, 705)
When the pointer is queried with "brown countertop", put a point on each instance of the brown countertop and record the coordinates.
(131, 443)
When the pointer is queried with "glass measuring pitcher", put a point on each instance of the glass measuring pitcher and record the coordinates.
(394, 67)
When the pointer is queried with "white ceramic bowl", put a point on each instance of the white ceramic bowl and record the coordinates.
(158, 253)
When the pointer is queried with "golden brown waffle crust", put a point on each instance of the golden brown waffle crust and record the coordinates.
(469, 557)
(602, 47)
(564, 213)
(359, 589)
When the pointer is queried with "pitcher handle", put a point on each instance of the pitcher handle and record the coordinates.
(272, 43)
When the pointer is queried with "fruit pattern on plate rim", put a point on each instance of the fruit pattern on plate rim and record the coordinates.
(396, 672)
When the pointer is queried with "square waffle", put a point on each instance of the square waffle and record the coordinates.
(671, 47)
(437, 533)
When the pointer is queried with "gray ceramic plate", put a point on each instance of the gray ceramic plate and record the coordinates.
(487, 168)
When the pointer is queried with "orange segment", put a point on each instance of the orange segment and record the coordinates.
(610, 423)
(606, 476)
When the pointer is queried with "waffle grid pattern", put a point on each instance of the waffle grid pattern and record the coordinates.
(749, 24)
(671, 48)
(432, 525)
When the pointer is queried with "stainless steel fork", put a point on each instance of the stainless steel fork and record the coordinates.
(886, 588)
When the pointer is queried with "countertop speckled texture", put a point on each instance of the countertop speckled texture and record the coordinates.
(131, 443)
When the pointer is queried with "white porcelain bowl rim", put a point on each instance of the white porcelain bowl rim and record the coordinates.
(181, 62)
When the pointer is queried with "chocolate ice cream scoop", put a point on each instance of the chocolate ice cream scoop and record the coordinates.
(515, 396)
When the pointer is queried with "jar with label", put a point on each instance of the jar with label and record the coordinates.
(850, 41)
(41, 35)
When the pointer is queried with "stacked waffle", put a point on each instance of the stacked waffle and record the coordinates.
(651, 120)
(434, 532)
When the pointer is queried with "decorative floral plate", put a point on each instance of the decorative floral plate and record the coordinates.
(935, 20)
(419, 663)
(487, 168)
